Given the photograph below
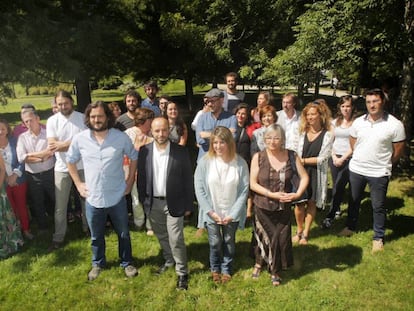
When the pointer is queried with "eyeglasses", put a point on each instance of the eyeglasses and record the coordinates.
(211, 100)
(272, 138)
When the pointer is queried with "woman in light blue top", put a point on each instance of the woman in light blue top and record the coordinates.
(222, 185)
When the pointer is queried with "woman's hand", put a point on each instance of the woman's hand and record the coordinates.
(227, 220)
(288, 197)
(12, 180)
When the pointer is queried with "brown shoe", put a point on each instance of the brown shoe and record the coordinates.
(346, 232)
(225, 278)
(216, 277)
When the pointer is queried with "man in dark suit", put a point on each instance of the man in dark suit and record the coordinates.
(165, 187)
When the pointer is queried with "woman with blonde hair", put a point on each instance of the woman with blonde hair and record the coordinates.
(222, 184)
(314, 148)
(272, 173)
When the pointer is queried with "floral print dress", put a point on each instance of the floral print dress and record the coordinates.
(10, 234)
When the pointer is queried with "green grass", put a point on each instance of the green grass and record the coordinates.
(330, 273)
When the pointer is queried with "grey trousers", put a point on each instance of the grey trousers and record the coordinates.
(170, 233)
(63, 185)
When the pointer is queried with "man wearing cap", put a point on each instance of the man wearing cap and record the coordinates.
(210, 120)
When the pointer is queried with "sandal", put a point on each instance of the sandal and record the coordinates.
(276, 280)
(297, 237)
(256, 271)
(303, 240)
(216, 277)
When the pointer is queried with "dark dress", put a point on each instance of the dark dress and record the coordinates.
(312, 149)
(242, 140)
(272, 224)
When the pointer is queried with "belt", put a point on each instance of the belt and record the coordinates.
(159, 198)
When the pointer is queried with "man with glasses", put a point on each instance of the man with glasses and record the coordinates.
(209, 120)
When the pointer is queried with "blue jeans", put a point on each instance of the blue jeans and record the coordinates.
(340, 178)
(97, 219)
(222, 241)
(378, 188)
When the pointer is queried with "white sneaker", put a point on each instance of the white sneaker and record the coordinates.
(131, 271)
(377, 246)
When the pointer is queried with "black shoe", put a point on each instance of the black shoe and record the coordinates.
(54, 246)
(162, 269)
(327, 223)
(182, 282)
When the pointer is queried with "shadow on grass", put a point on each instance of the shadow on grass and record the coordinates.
(310, 258)
(365, 222)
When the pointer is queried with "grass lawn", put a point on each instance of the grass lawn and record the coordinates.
(331, 273)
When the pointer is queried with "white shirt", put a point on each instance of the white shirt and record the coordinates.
(223, 179)
(341, 143)
(28, 143)
(63, 129)
(373, 147)
(159, 168)
(291, 127)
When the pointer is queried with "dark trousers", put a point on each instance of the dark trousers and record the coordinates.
(41, 188)
(340, 178)
(378, 191)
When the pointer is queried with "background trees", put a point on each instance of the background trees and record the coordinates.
(365, 43)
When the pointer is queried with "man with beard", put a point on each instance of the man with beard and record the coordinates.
(60, 129)
(151, 102)
(166, 192)
(102, 148)
(232, 97)
(132, 101)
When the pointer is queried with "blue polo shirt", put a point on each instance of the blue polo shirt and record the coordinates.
(103, 165)
(154, 106)
(207, 122)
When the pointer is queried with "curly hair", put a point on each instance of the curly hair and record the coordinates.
(323, 110)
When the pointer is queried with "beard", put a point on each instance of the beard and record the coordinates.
(97, 128)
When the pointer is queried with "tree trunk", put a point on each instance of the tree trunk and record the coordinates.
(317, 81)
(406, 94)
(189, 92)
(83, 92)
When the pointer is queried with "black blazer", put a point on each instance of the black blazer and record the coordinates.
(180, 186)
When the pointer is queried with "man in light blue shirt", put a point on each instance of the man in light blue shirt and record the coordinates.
(102, 149)
(209, 120)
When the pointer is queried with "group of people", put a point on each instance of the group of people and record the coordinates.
(255, 163)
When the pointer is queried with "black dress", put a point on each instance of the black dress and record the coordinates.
(312, 149)
(243, 144)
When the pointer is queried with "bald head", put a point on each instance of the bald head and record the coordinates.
(160, 132)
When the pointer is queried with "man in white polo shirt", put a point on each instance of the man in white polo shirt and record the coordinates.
(60, 129)
(377, 139)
